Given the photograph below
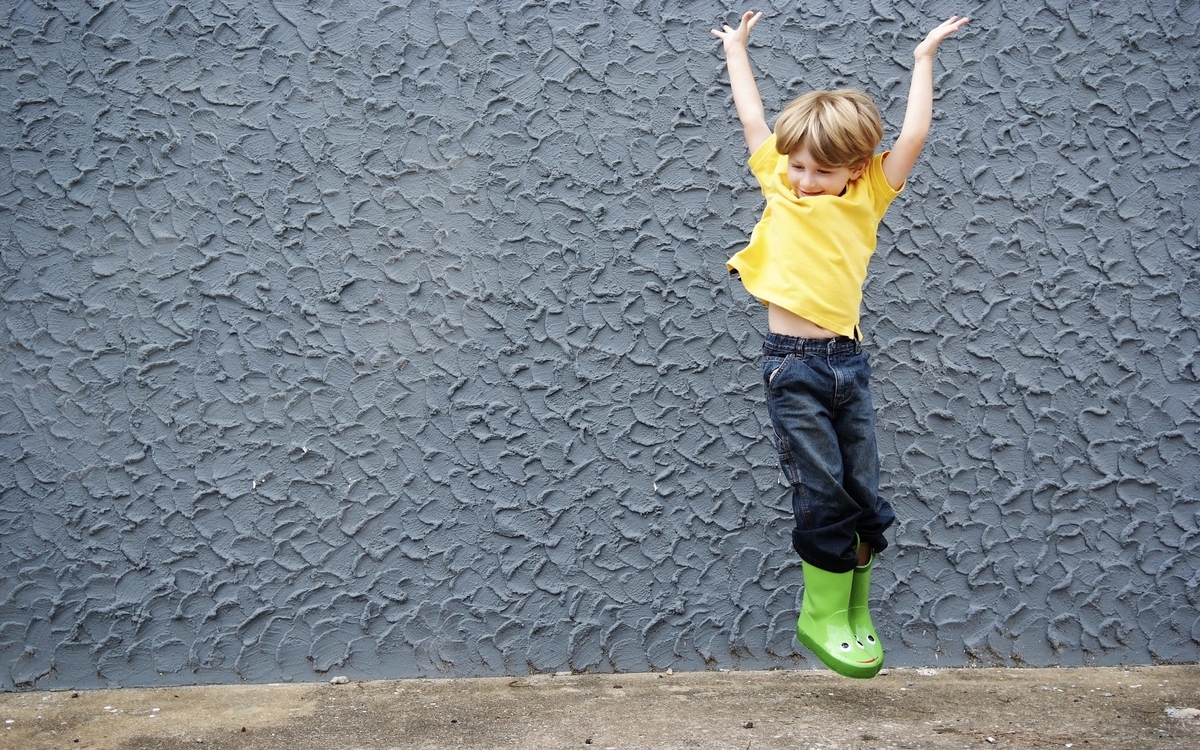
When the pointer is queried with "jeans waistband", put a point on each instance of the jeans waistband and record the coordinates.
(779, 345)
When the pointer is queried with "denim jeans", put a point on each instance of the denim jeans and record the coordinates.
(819, 402)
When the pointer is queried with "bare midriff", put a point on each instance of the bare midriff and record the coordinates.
(788, 323)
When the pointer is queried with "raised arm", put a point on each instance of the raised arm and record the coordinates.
(919, 113)
(741, 79)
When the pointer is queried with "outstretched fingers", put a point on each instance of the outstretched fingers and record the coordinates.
(940, 32)
(740, 35)
(949, 26)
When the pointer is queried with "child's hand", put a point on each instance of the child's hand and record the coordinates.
(929, 46)
(739, 37)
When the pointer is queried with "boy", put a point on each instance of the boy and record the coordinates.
(826, 192)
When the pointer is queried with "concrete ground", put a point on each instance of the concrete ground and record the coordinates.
(1136, 707)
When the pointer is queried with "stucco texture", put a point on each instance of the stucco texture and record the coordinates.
(395, 339)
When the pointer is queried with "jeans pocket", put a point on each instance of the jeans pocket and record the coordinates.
(777, 412)
(771, 367)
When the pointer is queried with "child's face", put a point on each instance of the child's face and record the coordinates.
(809, 178)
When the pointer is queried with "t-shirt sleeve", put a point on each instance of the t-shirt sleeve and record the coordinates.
(882, 193)
(764, 161)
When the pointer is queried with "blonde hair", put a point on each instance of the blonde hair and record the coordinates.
(840, 128)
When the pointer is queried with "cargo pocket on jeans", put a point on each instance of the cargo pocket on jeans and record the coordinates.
(772, 367)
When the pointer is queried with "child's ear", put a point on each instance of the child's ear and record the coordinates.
(858, 171)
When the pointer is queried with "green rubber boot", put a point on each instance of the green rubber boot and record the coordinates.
(824, 627)
(859, 615)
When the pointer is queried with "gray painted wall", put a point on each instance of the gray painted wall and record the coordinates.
(385, 340)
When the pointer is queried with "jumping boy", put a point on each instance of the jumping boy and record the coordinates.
(826, 191)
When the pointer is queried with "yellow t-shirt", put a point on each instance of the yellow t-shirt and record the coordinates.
(810, 255)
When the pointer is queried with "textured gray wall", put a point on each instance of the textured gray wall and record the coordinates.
(392, 340)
